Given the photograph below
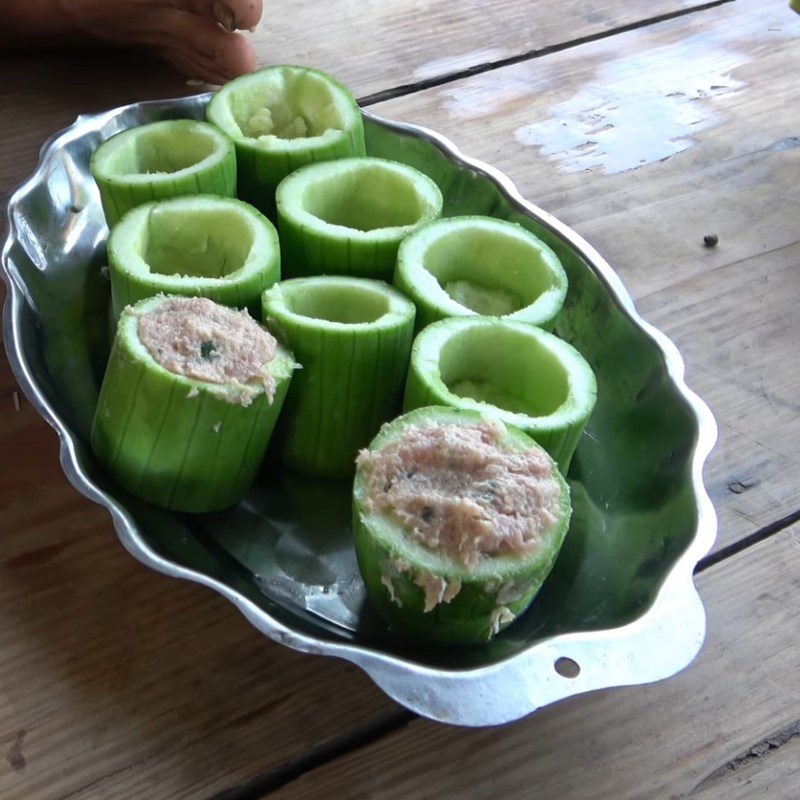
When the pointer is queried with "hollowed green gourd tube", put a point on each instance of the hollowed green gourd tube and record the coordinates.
(462, 604)
(352, 337)
(201, 246)
(522, 375)
(281, 118)
(462, 266)
(175, 441)
(348, 217)
(161, 160)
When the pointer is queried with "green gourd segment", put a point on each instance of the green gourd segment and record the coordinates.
(463, 266)
(178, 441)
(425, 593)
(348, 217)
(203, 246)
(522, 375)
(161, 160)
(353, 338)
(282, 118)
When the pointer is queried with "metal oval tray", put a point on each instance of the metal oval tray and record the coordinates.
(620, 601)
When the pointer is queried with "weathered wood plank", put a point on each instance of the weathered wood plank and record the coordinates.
(377, 45)
(371, 46)
(656, 741)
(118, 682)
(769, 768)
(737, 328)
(709, 102)
(129, 684)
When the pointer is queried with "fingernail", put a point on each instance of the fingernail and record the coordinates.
(224, 16)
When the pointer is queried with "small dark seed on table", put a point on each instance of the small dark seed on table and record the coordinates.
(711, 240)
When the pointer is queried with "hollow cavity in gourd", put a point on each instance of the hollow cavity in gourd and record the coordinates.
(348, 217)
(367, 196)
(202, 245)
(161, 160)
(200, 242)
(505, 369)
(516, 372)
(158, 150)
(462, 266)
(288, 105)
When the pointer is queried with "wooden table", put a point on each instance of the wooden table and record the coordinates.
(644, 125)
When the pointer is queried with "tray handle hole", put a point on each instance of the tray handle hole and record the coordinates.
(566, 667)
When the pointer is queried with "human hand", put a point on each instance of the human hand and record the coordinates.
(196, 36)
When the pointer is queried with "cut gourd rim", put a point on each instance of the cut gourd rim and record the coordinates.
(367, 199)
(393, 534)
(529, 374)
(280, 367)
(337, 303)
(160, 151)
(479, 265)
(284, 108)
(197, 240)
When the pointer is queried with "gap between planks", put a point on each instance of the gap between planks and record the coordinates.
(768, 746)
(478, 69)
(265, 784)
(715, 784)
(748, 541)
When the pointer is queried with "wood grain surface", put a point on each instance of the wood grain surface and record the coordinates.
(118, 682)
(709, 104)
(372, 46)
(377, 46)
(621, 743)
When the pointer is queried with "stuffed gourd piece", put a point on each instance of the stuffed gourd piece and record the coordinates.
(458, 520)
(188, 402)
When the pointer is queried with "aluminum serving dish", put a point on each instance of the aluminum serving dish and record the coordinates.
(620, 602)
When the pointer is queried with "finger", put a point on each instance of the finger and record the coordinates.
(231, 14)
(192, 65)
(235, 56)
(196, 66)
(246, 13)
(170, 29)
